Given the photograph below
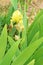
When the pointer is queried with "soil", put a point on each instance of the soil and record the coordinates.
(4, 2)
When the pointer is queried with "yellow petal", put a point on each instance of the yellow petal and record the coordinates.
(17, 16)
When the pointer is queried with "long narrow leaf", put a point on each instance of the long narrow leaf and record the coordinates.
(11, 41)
(32, 62)
(10, 54)
(26, 54)
(33, 29)
(3, 42)
(14, 3)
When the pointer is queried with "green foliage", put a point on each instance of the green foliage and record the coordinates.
(11, 41)
(34, 27)
(28, 52)
(28, 47)
(9, 14)
(3, 42)
(10, 54)
(32, 62)
(14, 3)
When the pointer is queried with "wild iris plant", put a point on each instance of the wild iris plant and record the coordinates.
(20, 44)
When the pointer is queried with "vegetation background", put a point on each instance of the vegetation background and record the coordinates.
(32, 34)
(36, 4)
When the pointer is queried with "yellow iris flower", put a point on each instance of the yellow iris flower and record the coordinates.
(17, 16)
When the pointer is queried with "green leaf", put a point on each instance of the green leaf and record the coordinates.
(11, 41)
(14, 3)
(24, 33)
(36, 37)
(33, 29)
(38, 53)
(22, 44)
(3, 42)
(9, 14)
(32, 62)
(26, 54)
(40, 24)
(10, 54)
(39, 61)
